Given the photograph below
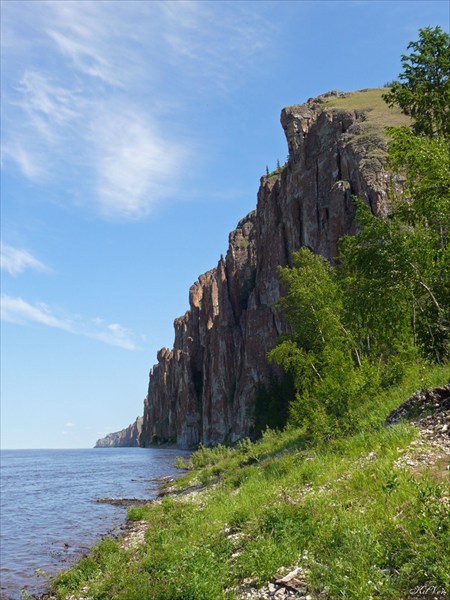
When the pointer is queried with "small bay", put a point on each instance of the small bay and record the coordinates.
(49, 513)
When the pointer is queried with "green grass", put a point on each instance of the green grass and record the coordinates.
(379, 115)
(361, 527)
(276, 173)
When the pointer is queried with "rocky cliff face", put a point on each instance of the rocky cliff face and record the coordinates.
(203, 390)
(128, 437)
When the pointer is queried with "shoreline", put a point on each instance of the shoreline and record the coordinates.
(237, 499)
(131, 532)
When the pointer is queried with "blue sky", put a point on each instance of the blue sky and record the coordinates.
(134, 137)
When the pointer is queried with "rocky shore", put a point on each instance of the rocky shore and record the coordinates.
(428, 410)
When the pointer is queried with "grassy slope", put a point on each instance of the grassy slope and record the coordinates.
(379, 114)
(361, 526)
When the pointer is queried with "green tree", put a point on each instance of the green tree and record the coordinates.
(356, 325)
(397, 270)
(318, 350)
(373, 275)
(423, 164)
(422, 211)
(423, 91)
(401, 262)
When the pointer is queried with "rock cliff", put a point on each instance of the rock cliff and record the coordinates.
(128, 437)
(203, 390)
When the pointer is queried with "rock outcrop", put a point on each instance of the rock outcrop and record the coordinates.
(429, 407)
(128, 437)
(203, 390)
(429, 411)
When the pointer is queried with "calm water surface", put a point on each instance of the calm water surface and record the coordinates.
(49, 516)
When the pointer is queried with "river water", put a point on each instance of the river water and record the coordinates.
(49, 516)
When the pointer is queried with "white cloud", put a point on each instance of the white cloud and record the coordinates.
(16, 260)
(43, 114)
(48, 106)
(29, 164)
(90, 37)
(213, 43)
(84, 58)
(115, 335)
(69, 424)
(17, 310)
(100, 92)
(133, 163)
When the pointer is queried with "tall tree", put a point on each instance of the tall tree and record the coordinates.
(318, 350)
(356, 325)
(422, 214)
(423, 91)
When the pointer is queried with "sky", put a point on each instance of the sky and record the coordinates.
(134, 136)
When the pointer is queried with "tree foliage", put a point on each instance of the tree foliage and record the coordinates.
(423, 91)
(419, 159)
(388, 300)
(421, 211)
(396, 279)
(423, 164)
(377, 300)
(317, 349)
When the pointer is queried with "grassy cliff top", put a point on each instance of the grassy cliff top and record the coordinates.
(370, 101)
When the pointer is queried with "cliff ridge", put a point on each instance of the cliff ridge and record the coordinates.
(203, 389)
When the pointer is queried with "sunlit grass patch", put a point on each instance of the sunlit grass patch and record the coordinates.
(370, 101)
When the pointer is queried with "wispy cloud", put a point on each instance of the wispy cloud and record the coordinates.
(102, 91)
(92, 38)
(113, 334)
(40, 117)
(49, 106)
(17, 260)
(133, 163)
(213, 42)
(28, 162)
(84, 58)
(16, 310)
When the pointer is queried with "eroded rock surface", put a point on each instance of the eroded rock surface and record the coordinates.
(203, 389)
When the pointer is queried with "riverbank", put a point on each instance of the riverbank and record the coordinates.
(50, 515)
(129, 533)
(360, 516)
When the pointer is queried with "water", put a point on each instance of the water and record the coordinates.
(49, 516)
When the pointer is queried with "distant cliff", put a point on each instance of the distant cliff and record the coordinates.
(128, 437)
